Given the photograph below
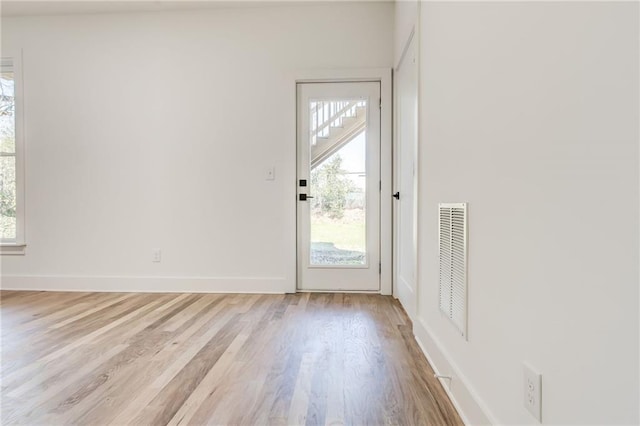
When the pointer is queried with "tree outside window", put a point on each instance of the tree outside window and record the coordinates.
(7, 157)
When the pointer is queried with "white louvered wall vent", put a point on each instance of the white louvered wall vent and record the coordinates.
(453, 263)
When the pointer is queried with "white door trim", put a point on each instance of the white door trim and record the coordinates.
(383, 75)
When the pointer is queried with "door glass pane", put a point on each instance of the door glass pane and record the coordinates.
(7, 113)
(338, 182)
(8, 198)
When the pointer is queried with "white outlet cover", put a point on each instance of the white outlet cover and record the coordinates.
(532, 391)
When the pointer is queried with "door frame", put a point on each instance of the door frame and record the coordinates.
(384, 77)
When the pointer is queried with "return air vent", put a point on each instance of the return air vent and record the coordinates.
(453, 263)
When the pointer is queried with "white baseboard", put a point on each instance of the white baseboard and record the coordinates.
(471, 408)
(133, 284)
(407, 297)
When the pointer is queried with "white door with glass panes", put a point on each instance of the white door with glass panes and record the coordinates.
(338, 182)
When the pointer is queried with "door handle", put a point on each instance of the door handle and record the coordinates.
(304, 197)
(396, 195)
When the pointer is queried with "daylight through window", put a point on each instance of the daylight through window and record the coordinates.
(8, 190)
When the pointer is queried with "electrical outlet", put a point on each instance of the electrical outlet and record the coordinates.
(533, 391)
(156, 255)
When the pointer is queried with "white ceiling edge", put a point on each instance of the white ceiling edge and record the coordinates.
(15, 8)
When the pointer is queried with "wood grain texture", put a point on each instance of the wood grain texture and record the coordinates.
(179, 359)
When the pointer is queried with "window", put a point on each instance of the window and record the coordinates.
(11, 153)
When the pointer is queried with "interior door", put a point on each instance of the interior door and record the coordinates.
(338, 182)
(405, 155)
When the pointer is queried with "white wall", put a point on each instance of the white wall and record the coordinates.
(529, 112)
(150, 130)
(405, 18)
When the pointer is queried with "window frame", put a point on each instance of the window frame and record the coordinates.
(17, 245)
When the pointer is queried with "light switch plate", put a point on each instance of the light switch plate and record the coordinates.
(270, 173)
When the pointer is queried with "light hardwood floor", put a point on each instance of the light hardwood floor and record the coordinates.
(115, 358)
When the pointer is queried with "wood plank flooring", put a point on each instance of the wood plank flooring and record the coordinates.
(177, 359)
